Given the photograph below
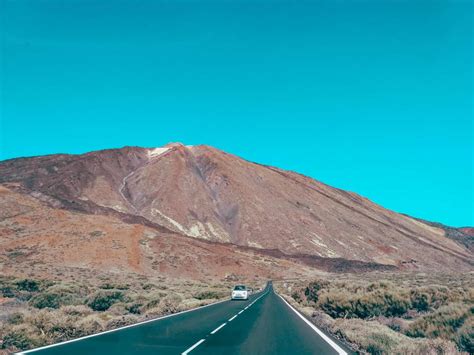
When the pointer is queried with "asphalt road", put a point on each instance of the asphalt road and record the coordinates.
(265, 324)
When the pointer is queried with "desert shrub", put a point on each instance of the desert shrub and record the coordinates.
(207, 295)
(102, 300)
(62, 327)
(89, 325)
(379, 343)
(134, 308)
(22, 337)
(441, 295)
(170, 303)
(420, 300)
(118, 309)
(76, 310)
(378, 285)
(340, 303)
(311, 291)
(154, 312)
(465, 336)
(167, 305)
(121, 321)
(69, 322)
(40, 320)
(28, 285)
(296, 296)
(153, 300)
(375, 338)
(15, 318)
(111, 286)
(45, 300)
(444, 322)
(66, 327)
(151, 304)
(394, 323)
(7, 292)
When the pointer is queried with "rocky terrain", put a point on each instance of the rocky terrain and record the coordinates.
(35, 236)
(197, 211)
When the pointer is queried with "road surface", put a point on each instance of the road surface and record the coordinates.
(265, 324)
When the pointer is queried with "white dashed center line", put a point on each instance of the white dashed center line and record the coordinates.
(217, 329)
(194, 346)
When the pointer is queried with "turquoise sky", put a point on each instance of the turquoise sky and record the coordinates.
(370, 96)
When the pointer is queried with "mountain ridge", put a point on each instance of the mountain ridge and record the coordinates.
(203, 193)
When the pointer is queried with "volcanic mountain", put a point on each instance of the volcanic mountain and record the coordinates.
(208, 205)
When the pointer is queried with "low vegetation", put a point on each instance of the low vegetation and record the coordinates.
(37, 312)
(391, 313)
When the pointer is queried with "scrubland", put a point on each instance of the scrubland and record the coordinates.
(381, 313)
(40, 311)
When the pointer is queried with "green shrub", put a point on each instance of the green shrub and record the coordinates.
(420, 300)
(311, 291)
(378, 343)
(296, 296)
(28, 285)
(134, 308)
(101, 301)
(465, 336)
(45, 300)
(7, 292)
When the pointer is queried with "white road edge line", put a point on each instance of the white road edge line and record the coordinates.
(194, 346)
(217, 329)
(230, 320)
(117, 329)
(328, 340)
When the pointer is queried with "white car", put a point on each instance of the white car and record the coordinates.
(240, 292)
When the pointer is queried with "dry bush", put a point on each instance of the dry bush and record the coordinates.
(121, 321)
(210, 294)
(76, 311)
(47, 311)
(446, 323)
(375, 338)
(170, 303)
(375, 315)
(22, 336)
(341, 303)
(465, 336)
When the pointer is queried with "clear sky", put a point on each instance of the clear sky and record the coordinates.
(371, 96)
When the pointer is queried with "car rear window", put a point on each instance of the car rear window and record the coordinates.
(240, 288)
